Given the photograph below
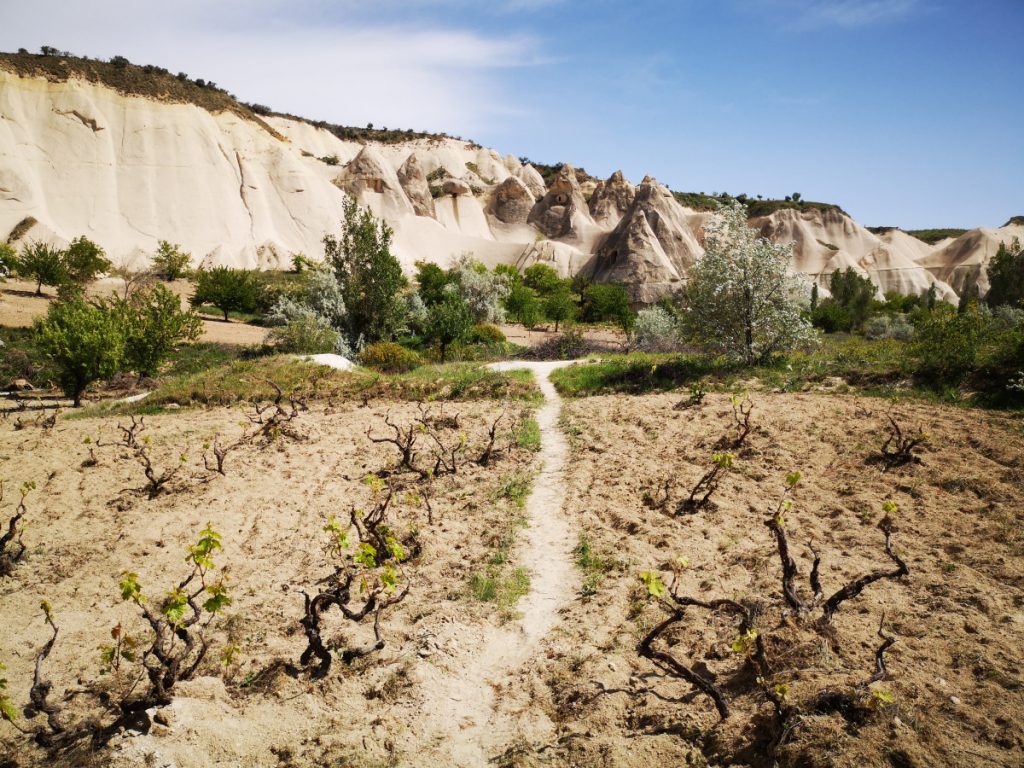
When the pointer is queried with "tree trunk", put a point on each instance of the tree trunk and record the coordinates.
(226, 316)
(444, 347)
(39, 288)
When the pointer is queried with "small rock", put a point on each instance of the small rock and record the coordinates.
(163, 717)
(611, 666)
(955, 700)
(941, 681)
(425, 652)
(171, 406)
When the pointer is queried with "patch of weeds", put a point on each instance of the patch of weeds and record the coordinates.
(502, 589)
(593, 565)
(527, 434)
(516, 487)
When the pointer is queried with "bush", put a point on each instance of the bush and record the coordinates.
(655, 330)
(560, 305)
(831, 317)
(83, 340)
(1006, 275)
(8, 259)
(170, 262)
(485, 333)
(227, 289)
(607, 303)
(542, 278)
(947, 344)
(889, 327)
(482, 290)
(305, 335)
(388, 357)
(83, 261)
(522, 304)
(154, 326)
(448, 321)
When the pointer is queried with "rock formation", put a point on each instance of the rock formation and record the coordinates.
(559, 214)
(512, 201)
(611, 199)
(414, 183)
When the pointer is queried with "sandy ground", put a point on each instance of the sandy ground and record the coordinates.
(556, 679)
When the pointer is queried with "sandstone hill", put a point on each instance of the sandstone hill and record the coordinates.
(131, 155)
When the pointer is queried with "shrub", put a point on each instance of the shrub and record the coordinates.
(482, 290)
(542, 278)
(305, 335)
(655, 330)
(227, 289)
(84, 341)
(154, 326)
(388, 357)
(485, 333)
(8, 259)
(889, 327)
(1006, 275)
(560, 305)
(170, 262)
(522, 304)
(431, 281)
(84, 260)
(946, 344)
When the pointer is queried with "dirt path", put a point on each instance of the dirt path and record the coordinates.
(468, 720)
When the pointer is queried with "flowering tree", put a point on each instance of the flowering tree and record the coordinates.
(742, 300)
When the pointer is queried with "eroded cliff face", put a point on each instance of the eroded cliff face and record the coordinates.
(79, 158)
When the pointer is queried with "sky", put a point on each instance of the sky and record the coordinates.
(905, 112)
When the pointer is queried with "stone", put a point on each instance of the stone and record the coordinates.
(414, 183)
(455, 187)
(611, 199)
(512, 201)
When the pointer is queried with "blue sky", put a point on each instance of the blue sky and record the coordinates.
(905, 112)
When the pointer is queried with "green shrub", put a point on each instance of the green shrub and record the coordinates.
(947, 343)
(388, 357)
(607, 303)
(305, 335)
(227, 289)
(448, 321)
(831, 317)
(8, 259)
(84, 260)
(485, 333)
(523, 305)
(84, 341)
(154, 326)
(170, 262)
(41, 263)
(889, 326)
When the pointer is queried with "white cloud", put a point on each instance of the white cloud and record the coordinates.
(311, 57)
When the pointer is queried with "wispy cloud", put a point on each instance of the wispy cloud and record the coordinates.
(846, 14)
(309, 57)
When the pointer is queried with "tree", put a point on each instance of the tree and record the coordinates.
(448, 321)
(483, 291)
(522, 304)
(8, 259)
(1006, 276)
(83, 261)
(83, 340)
(370, 276)
(560, 306)
(42, 263)
(227, 289)
(608, 302)
(741, 299)
(542, 278)
(170, 262)
(154, 325)
(431, 280)
(850, 303)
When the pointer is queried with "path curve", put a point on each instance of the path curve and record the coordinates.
(463, 709)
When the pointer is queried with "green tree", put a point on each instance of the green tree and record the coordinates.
(84, 260)
(431, 281)
(1006, 276)
(153, 325)
(170, 262)
(742, 299)
(850, 303)
(608, 303)
(448, 321)
(8, 259)
(42, 263)
(542, 278)
(227, 289)
(522, 304)
(83, 340)
(560, 305)
(369, 275)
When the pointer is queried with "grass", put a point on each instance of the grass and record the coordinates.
(527, 434)
(502, 589)
(248, 380)
(516, 487)
(593, 566)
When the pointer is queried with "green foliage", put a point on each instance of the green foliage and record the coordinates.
(154, 325)
(369, 276)
(485, 333)
(516, 487)
(523, 305)
(849, 305)
(932, 236)
(431, 281)
(84, 341)
(305, 335)
(504, 590)
(8, 711)
(170, 262)
(527, 434)
(607, 303)
(560, 305)
(227, 289)
(389, 357)
(542, 278)
(448, 321)
(42, 263)
(1006, 276)
(946, 344)
(84, 260)
(8, 259)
